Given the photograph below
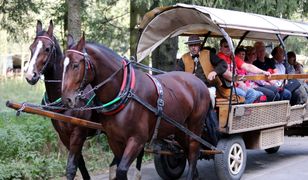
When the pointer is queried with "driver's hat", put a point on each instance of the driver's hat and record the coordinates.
(193, 39)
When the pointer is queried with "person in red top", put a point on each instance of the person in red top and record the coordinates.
(225, 54)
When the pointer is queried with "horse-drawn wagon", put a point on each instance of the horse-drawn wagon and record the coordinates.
(242, 126)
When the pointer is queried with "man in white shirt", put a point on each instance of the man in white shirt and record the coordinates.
(279, 56)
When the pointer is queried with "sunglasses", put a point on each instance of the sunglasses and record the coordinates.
(226, 46)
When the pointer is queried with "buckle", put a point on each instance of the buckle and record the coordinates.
(160, 102)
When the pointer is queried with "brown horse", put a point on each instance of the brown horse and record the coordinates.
(46, 57)
(128, 97)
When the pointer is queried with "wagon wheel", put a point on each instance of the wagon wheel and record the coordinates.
(170, 167)
(272, 150)
(231, 164)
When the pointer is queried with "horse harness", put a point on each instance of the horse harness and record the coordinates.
(127, 92)
(52, 52)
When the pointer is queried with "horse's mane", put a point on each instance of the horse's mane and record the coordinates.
(104, 49)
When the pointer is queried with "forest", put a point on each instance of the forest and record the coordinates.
(29, 146)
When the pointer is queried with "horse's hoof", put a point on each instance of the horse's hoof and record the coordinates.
(112, 172)
(137, 175)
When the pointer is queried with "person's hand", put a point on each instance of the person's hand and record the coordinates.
(211, 76)
(266, 73)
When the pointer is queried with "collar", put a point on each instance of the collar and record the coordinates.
(128, 85)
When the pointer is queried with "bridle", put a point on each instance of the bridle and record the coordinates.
(127, 86)
(52, 52)
(89, 67)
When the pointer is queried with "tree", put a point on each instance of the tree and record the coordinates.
(73, 18)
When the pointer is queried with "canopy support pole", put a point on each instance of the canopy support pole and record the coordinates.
(229, 41)
(205, 38)
(242, 38)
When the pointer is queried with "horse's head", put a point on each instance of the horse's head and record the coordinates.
(78, 72)
(42, 50)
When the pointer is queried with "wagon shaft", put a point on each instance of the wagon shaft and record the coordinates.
(54, 115)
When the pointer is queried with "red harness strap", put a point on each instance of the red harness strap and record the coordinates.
(124, 82)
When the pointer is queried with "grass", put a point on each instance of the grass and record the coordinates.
(30, 143)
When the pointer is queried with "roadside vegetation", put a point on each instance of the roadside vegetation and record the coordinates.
(29, 145)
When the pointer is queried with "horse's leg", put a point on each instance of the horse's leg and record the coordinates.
(137, 175)
(83, 169)
(132, 150)
(76, 142)
(193, 154)
(116, 161)
(113, 168)
(194, 124)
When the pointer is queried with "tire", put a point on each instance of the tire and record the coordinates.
(272, 150)
(170, 167)
(231, 164)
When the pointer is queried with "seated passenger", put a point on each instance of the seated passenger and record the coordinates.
(279, 56)
(246, 88)
(298, 68)
(266, 64)
(251, 56)
(225, 54)
(299, 95)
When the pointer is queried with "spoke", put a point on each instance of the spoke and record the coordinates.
(239, 153)
(232, 164)
(236, 167)
(232, 157)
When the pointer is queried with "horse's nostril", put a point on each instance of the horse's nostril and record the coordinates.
(34, 75)
(68, 100)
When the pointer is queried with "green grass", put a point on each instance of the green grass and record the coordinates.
(29, 145)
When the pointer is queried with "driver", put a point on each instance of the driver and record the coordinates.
(205, 65)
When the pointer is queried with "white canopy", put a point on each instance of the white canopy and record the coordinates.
(180, 19)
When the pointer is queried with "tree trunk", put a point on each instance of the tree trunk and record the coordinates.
(164, 56)
(137, 10)
(73, 18)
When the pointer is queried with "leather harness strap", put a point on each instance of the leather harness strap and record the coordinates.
(160, 105)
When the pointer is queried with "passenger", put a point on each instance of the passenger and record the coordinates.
(225, 54)
(279, 56)
(299, 95)
(266, 64)
(250, 58)
(246, 88)
(298, 68)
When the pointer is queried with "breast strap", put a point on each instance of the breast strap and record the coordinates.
(160, 105)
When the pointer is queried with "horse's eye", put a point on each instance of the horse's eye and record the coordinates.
(47, 50)
(75, 65)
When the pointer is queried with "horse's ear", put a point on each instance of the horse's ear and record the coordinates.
(50, 29)
(81, 43)
(70, 41)
(39, 27)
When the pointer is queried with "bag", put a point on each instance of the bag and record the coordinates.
(292, 85)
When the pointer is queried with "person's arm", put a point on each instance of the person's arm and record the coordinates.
(220, 66)
(253, 69)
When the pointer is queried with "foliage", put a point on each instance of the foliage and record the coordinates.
(15, 17)
(108, 23)
(29, 145)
